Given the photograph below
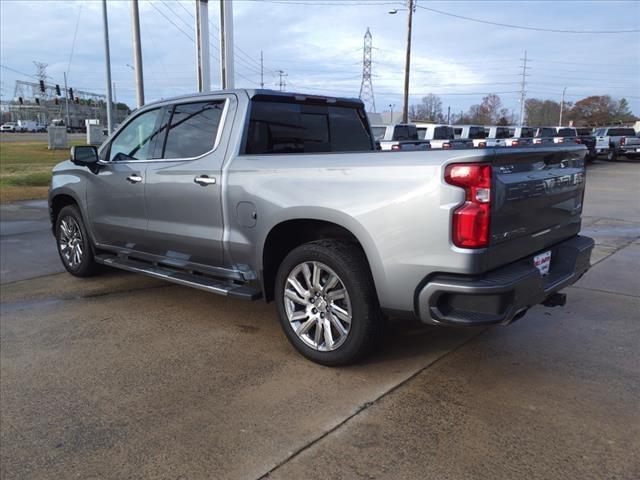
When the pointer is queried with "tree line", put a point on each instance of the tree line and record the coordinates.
(589, 111)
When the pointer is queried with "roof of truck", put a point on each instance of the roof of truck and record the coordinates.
(255, 92)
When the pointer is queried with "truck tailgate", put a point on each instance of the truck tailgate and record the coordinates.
(537, 200)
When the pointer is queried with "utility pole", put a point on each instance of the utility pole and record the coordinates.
(448, 115)
(366, 87)
(562, 106)
(137, 52)
(261, 70)
(407, 65)
(523, 92)
(107, 65)
(66, 100)
(226, 44)
(282, 82)
(202, 46)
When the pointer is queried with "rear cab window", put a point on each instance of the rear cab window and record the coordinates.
(503, 132)
(405, 132)
(443, 133)
(566, 132)
(476, 133)
(621, 132)
(281, 125)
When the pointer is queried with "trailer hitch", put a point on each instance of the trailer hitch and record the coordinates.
(555, 300)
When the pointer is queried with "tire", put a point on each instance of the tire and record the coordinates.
(348, 263)
(612, 155)
(73, 243)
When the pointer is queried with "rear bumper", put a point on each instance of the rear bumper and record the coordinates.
(502, 295)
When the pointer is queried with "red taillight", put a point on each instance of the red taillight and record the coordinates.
(578, 140)
(482, 144)
(395, 147)
(561, 140)
(622, 140)
(470, 222)
(537, 141)
(446, 145)
(515, 143)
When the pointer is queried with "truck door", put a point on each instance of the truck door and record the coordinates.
(115, 193)
(183, 191)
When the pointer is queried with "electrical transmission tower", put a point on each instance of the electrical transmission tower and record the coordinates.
(282, 82)
(366, 88)
(523, 85)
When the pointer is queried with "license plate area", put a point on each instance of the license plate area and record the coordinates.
(542, 262)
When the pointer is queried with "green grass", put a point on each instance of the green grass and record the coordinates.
(25, 169)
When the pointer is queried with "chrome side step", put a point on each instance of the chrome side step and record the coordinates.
(208, 284)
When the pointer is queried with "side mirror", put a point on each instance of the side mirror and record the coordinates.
(84, 155)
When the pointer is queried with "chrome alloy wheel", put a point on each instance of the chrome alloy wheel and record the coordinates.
(70, 242)
(317, 306)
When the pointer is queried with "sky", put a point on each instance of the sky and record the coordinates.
(318, 44)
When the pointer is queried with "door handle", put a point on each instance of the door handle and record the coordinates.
(204, 180)
(134, 178)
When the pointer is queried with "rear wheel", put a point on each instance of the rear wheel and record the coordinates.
(612, 155)
(327, 302)
(73, 243)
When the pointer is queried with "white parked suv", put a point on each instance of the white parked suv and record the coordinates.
(441, 136)
(497, 136)
(476, 133)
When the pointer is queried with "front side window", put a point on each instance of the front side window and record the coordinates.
(136, 138)
(193, 129)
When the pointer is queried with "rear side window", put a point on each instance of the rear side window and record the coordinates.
(277, 127)
(566, 132)
(193, 129)
(443, 133)
(620, 132)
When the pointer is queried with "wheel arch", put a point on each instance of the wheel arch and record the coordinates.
(288, 234)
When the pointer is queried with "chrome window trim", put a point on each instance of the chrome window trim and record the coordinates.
(216, 142)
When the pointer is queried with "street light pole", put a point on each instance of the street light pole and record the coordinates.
(407, 65)
(107, 59)
(562, 106)
(137, 52)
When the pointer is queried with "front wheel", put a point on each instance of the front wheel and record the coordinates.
(73, 243)
(327, 302)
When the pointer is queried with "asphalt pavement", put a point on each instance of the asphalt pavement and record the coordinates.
(122, 376)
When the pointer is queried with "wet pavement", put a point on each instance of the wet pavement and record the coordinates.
(121, 376)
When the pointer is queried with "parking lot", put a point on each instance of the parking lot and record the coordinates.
(120, 376)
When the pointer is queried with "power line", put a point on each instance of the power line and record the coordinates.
(522, 27)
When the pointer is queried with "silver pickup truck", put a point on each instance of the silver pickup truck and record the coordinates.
(617, 142)
(260, 194)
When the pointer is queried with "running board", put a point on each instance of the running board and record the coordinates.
(201, 282)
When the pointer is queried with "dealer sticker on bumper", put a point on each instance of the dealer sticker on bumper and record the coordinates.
(542, 262)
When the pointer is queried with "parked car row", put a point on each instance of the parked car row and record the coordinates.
(22, 126)
(612, 141)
